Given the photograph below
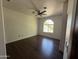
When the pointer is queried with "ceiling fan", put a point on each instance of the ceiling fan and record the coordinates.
(37, 11)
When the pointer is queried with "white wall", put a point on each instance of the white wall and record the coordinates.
(2, 35)
(57, 27)
(19, 25)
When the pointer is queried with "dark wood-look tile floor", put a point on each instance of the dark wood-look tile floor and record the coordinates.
(37, 47)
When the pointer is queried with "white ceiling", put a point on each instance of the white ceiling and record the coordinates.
(53, 6)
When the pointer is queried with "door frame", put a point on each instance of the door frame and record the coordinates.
(69, 29)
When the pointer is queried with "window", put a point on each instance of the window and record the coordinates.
(48, 26)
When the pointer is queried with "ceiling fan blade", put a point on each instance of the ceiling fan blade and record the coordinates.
(42, 12)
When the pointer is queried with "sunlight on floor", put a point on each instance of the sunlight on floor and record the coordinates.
(47, 47)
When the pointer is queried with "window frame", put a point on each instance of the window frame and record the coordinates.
(48, 27)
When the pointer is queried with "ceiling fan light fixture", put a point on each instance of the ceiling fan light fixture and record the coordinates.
(45, 7)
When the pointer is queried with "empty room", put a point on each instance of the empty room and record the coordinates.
(38, 29)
